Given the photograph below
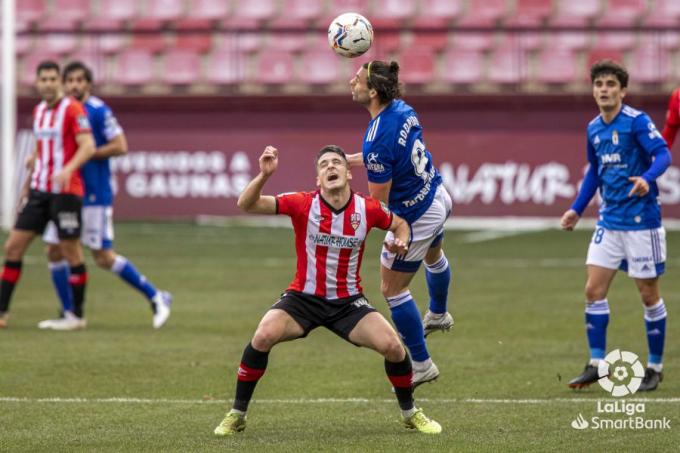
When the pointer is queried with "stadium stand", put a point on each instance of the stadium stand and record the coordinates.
(488, 45)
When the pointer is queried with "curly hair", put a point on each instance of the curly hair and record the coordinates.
(609, 67)
(383, 77)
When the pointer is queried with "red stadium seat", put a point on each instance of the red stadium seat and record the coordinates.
(30, 10)
(387, 43)
(484, 13)
(576, 12)
(417, 65)
(75, 10)
(530, 40)
(615, 40)
(436, 41)
(556, 65)
(599, 54)
(151, 42)
(274, 67)
(157, 12)
(298, 13)
(392, 13)
(251, 13)
(23, 44)
(203, 13)
(93, 60)
(319, 67)
(57, 43)
(506, 64)
(462, 66)
(530, 13)
(651, 63)
(135, 67)
(112, 14)
(438, 13)
(473, 40)
(337, 7)
(665, 13)
(197, 42)
(623, 13)
(27, 74)
(225, 67)
(575, 40)
(110, 43)
(181, 67)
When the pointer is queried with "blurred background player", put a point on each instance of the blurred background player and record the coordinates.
(401, 172)
(97, 210)
(64, 142)
(626, 155)
(330, 226)
(670, 128)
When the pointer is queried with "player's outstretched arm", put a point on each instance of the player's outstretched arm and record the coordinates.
(355, 160)
(401, 232)
(251, 199)
(117, 146)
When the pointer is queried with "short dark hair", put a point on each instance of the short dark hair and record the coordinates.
(331, 149)
(47, 65)
(383, 77)
(77, 66)
(609, 67)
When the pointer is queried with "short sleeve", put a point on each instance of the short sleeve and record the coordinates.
(290, 203)
(111, 127)
(378, 215)
(76, 118)
(646, 134)
(378, 162)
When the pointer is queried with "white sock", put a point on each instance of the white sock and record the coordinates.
(409, 413)
(594, 362)
(655, 366)
(425, 364)
(238, 412)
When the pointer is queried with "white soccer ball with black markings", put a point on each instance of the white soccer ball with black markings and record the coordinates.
(350, 35)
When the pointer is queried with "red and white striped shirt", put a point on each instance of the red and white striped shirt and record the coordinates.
(55, 131)
(330, 243)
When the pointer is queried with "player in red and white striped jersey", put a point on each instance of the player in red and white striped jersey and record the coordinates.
(330, 225)
(672, 125)
(63, 143)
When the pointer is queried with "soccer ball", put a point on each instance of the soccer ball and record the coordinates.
(350, 35)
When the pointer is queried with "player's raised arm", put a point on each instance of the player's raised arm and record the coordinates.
(401, 232)
(355, 160)
(251, 199)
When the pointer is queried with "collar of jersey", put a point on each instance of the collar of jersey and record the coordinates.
(615, 118)
(336, 211)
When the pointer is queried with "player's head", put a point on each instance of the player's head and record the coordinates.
(47, 81)
(77, 80)
(610, 80)
(376, 81)
(332, 168)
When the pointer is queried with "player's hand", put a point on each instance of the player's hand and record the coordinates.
(355, 160)
(396, 246)
(269, 160)
(640, 186)
(30, 162)
(569, 220)
(63, 178)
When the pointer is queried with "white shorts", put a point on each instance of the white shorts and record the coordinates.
(426, 232)
(642, 253)
(97, 229)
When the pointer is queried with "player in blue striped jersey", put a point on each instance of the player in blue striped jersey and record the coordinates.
(401, 172)
(97, 212)
(626, 154)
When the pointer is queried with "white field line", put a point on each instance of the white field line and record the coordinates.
(509, 401)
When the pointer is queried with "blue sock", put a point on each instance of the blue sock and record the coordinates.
(60, 273)
(127, 271)
(438, 277)
(655, 322)
(597, 318)
(406, 317)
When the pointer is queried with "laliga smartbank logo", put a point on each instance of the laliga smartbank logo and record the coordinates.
(620, 375)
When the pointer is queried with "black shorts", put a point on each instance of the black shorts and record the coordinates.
(339, 316)
(41, 207)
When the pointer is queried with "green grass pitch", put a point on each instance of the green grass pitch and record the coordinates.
(519, 337)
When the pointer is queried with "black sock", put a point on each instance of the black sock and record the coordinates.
(11, 272)
(400, 375)
(253, 366)
(78, 281)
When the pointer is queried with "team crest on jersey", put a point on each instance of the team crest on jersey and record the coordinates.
(83, 122)
(355, 220)
(615, 137)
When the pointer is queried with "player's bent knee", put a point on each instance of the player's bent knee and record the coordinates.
(53, 253)
(594, 292)
(394, 351)
(104, 260)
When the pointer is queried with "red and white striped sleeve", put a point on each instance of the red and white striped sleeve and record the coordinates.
(377, 214)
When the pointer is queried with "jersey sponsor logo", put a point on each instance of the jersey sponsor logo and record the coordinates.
(372, 158)
(333, 240)
(361, 302)
(68, 221)
(83, 122)
(422, 193)
(615, 137)
(612, 158)
(406, 128)
(372, 163)
(355, 220)
(653, 131)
